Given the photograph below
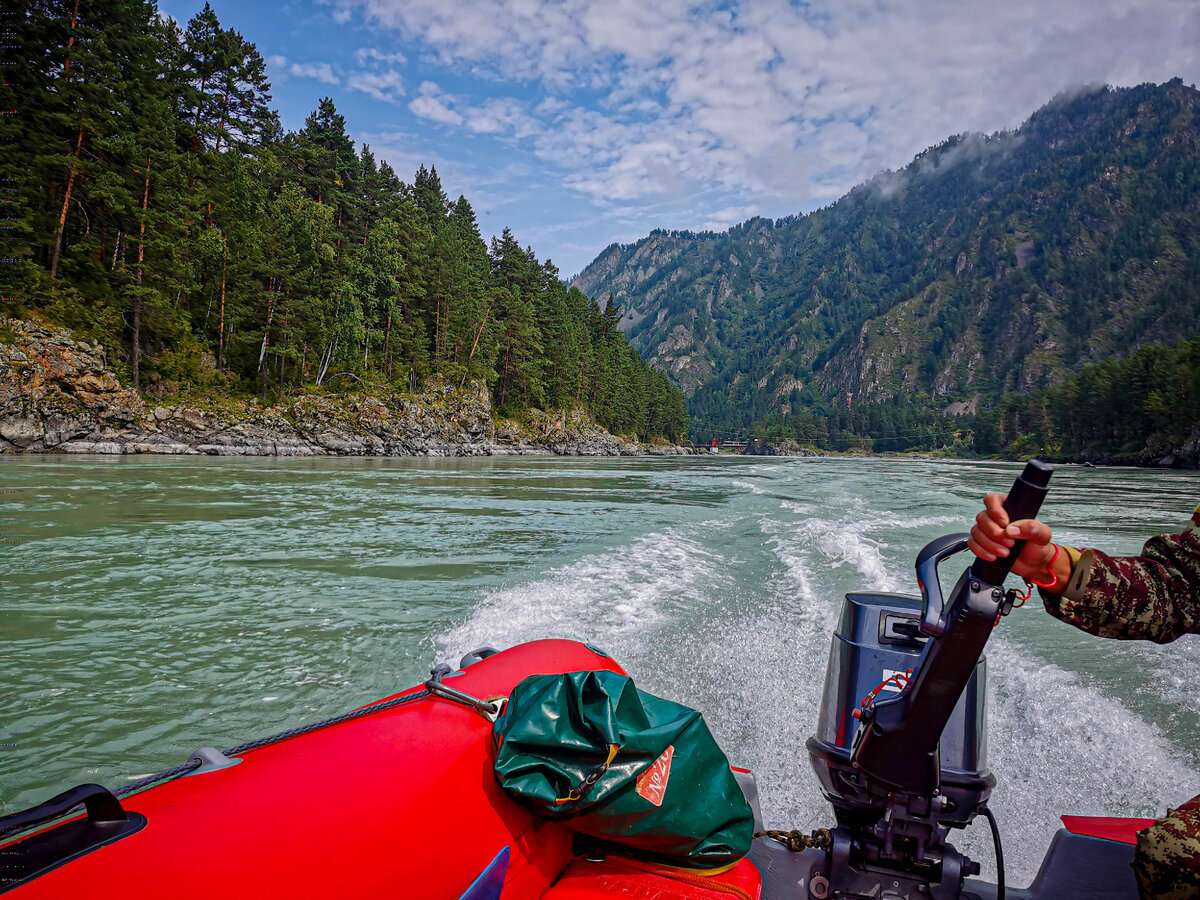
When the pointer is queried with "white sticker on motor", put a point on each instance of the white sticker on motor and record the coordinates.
(890, 686)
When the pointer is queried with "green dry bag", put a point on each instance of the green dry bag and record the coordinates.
(624, 766)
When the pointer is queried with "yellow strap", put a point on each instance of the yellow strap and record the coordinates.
(695, 877)
(576, 793)
(709, 873)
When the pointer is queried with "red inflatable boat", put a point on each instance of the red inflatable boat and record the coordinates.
(399, 803)
(399, 799)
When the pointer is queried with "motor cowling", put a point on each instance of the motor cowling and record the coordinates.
(879, 637)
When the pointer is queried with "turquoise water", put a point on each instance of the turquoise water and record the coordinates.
(155, 605)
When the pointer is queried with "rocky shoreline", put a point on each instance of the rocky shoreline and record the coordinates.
(1184, 457)
(57, 395)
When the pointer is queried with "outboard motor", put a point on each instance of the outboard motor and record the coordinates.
(877, 648)
(900, 747)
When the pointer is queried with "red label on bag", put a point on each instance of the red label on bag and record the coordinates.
(652, 783)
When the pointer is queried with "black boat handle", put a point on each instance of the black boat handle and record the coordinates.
(896, 750)
(102, 808)
(933, 616)
(1024, 501)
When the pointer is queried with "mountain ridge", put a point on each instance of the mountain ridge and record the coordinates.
(989, 264)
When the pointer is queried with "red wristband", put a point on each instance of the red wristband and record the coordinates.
(1050, 568)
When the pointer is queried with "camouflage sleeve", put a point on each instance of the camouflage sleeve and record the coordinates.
(1166, 860)
(1155, 596)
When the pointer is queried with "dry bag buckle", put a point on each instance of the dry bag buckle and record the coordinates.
(489, 709)
(576, 794)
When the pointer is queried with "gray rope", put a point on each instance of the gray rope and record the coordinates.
(174, 772)
(324, 723)
(259, 743)
(433, 688)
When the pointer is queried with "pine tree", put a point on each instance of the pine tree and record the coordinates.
(165, 214)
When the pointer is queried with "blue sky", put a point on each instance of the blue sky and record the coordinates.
(579, 123)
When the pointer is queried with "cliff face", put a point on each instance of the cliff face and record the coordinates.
(649, 280)
(57, 395)
(988, 265)
(54, 388)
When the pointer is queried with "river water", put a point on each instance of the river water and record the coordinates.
(154, 605)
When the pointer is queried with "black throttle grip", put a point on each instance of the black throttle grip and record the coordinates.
(1024, 501)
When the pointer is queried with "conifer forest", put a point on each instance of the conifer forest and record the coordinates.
(155, 204)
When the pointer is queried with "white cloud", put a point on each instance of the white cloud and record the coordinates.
(502, 117)
(783, 102)
(722, 219)
(551, 106)
(386, 86)
(319, 71)
(695, 113)
(430, 103)
(283, 69)
(369, 56)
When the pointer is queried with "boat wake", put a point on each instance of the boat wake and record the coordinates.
(743, 635)
(615, 600)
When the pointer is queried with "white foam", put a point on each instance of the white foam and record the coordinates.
(1176, 670)
(781, 653)
(1057, 745)
(850, 545)
(1061, 747)
(613, 599)
(890, 520)
(748, 486)
(691, 625)
(840, 541)
(764, 675)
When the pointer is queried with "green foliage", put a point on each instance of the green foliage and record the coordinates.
(185, 362)
(1149, 399)
(165, 215)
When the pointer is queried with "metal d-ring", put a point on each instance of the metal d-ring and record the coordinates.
(489, 709)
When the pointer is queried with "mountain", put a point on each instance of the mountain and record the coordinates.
(988, 265)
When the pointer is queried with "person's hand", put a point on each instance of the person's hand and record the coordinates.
(994, 536)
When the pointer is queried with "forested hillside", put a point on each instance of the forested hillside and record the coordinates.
(989, 266)
(1143, 406)
(157, 206)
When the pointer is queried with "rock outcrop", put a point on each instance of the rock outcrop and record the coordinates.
(54, 389)
(1156, 454)
(57, 395)
(783, 447)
